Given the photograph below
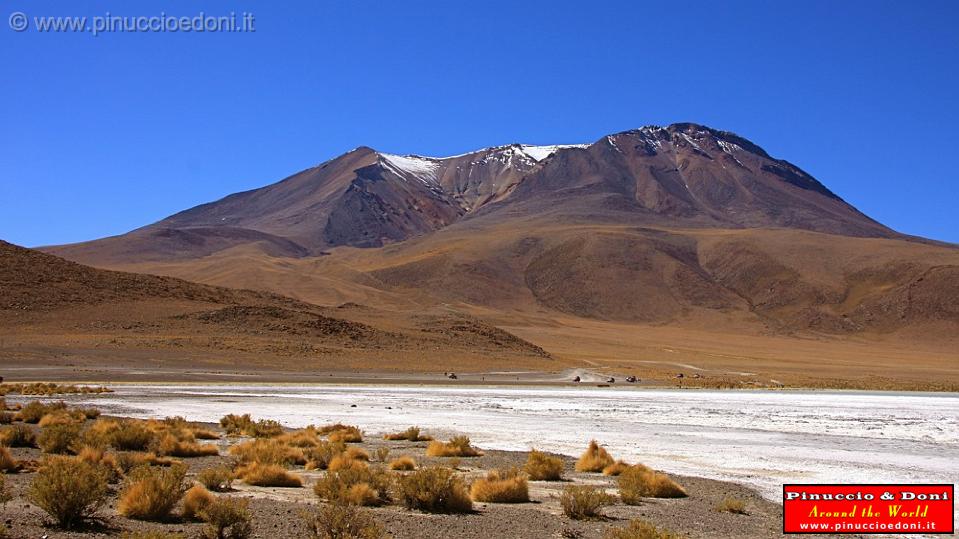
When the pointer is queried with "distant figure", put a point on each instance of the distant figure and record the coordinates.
(680, 375)
(696, 375)
(452, 376)
(611, 380)
(576, 379)
(631, 379)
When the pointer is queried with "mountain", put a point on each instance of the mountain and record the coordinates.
(641, 232)
(53, 309)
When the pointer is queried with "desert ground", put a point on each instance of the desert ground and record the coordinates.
(704, 508)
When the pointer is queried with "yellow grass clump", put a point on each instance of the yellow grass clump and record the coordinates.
(584, 502)
(304, 438)
(319, 456)
(434, 490)
(58, 438)
(501, 486)
(615, 468)
(638, 482)
(69, 490)
(169, 445)
(345, 462)
(542, 467)
(355, 486)
(127, 461)
(129, 435)
(7, 462)
(60, 417)
(342, 521)
(33, 411)
(347, 434)
(267, 451)
(458, 446)
(268, 475)
(594, 459)
(411, 434)
(641, 529)
(217, 479)
(227, 518)
(195, 501)
(18, 436)
(404, 464)
(151, 493)
(733, 505)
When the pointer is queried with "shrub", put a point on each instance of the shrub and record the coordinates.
(268, 475)
(128, 460)
(33, 411)
(342, 433)
(19, 436)
(345, 462)
(615, 468)
(236, 424)
(542, 467)
(594, 459)
(7, 463)
(584, 502)
(501, 486)
(339, 521)
(227, 518)
(204, 434)
(217, 479)
(458, 446)
(169, 445)
(151, 493)
(411, 434)
(434, 490)
(99, 457)
(267, 451)
(195, 501)
(89, 413)
(319, 456)
(641, 529)
(638, 482)
(266, 428)
(59, 417)
(403, 463)
(382, 453)
(130, 435)
(6, 418)
(730, 504)
(304, 438)
(356, 486)
(69, 490)
(58, 438)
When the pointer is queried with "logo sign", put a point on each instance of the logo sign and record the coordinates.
(861, 509)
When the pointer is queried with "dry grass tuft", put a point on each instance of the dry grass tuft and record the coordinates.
(227, 518)
(641, 529)
(501, 486)
(458, 446)
(59, 438)
(382, 453)
(268, 475)
(267, 451)
(347, 435)
(434, 490)
(217, 479)
(60, 417)
(129, 435)
(616, 468)
(129, 460)
(594, 459)
(99, 457)
(7, 462)
(169, 445)
(355, 486)
(730, 504)
(639, 482)
(341, 521)
(33, 411)
(411, 434)
(542, 467)
(19, 436)
(345, 462)
(320, 456)
(69, 490)
(195, 501)
(584, 502)
(151, 493)
(404, 464)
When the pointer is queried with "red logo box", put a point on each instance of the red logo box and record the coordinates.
(866, 509)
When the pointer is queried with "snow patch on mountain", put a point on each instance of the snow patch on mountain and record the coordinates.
(423, 169)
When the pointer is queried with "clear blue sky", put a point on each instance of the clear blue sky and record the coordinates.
(102, 134)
